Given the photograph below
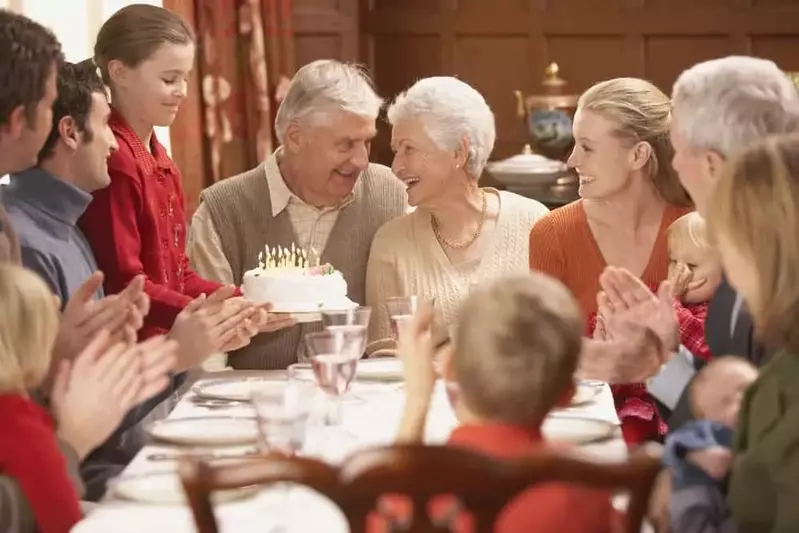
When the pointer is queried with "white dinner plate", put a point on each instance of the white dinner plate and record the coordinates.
(381, 369)
(237, 389)
(576, 430)
(164, 488)
(206, 431)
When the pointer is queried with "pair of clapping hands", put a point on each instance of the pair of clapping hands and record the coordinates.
(636, 333)
(100, 372)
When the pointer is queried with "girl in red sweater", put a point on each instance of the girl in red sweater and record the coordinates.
(137, 224)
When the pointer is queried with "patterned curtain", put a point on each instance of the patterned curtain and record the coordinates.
(245, 58)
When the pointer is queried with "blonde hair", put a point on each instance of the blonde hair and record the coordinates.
(27, 330)
(516, 348)
(756, 206)
(642, 113)
(689, 228)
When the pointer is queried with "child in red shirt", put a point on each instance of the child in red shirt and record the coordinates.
(513, 360)
(695, 274)
(137, 224)
(45, 468)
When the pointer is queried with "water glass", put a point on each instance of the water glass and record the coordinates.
(282, 415)
(334, 358)
(358, 316)
(402, 308)
(356, 319)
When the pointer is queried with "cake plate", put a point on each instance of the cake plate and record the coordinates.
(304, 314)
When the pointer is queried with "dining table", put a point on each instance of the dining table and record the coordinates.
(147, 497)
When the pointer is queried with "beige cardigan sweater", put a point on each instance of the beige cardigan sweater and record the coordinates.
(407, 259)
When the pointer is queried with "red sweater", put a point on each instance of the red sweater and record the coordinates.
(563, 246)
(29, 453)
(543, 508)
(137, 225)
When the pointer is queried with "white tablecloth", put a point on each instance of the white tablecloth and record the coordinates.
(370, 417)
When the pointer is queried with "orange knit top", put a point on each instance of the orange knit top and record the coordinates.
(562, 245)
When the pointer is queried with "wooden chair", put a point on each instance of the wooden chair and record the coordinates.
(481, 484)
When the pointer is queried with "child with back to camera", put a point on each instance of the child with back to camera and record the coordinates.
(698, 502)
(513, 360)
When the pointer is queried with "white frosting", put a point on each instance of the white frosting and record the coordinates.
(295, 290)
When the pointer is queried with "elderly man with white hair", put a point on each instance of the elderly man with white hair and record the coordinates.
(719, 108)
(317, 190)
(460, 234)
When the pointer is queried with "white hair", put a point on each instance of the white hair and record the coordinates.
(450, 110)
(323, 86)
(727, 104)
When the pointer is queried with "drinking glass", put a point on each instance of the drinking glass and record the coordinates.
(356, 319)
(402, 308)
(282, 415)
(334, 357)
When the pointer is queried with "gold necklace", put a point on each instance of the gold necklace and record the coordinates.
(472, 238)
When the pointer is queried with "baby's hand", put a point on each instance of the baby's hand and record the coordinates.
(680, 276)
(716, 461)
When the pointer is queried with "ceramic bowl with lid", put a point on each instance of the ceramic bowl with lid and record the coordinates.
(527, 169)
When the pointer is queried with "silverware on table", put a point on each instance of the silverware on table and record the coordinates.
(210, 403)
(204, 456)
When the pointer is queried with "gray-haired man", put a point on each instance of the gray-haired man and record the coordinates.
(318, 191)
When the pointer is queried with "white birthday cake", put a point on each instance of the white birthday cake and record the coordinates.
(285, 279)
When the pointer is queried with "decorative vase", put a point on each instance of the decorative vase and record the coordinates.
(549, 114)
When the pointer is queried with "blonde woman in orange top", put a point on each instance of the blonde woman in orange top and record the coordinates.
(629, 195)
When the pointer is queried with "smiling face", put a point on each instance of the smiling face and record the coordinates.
(604, 161)
(329, 151)
(91, 156)
(425, 168)
(157, 86)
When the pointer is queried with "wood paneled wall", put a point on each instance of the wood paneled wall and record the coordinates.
(325, 29)
(502, 45)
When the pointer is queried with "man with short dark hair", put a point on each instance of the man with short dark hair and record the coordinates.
(45, 202)
(30, 56)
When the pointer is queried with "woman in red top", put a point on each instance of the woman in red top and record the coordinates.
(629, 197)
(137, 225)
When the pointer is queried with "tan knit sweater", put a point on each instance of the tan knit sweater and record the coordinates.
(407, 259)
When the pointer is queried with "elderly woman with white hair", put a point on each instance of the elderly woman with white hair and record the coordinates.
(318, 191)
(460, 233)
